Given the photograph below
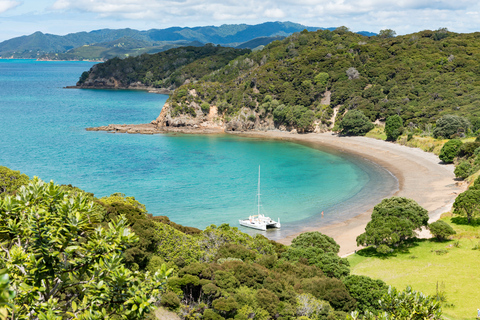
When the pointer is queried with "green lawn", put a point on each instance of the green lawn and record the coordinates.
(426, 262)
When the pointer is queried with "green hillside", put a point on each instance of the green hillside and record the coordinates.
(419, 76)
(168, 69)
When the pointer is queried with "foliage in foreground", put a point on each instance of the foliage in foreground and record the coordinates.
(407, 304)
(63, 265)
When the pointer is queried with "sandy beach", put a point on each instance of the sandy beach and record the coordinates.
(421, 177)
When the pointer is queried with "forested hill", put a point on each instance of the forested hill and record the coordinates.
(297, 82)
(107, 43)
(168, 69)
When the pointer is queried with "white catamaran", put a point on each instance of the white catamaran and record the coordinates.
(259, 221)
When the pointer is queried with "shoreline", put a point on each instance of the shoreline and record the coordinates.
(420, 176)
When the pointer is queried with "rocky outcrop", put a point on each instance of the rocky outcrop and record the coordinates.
(112, 83)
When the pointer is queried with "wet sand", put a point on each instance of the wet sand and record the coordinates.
(421, 176)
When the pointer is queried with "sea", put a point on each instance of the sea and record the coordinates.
(195, 180)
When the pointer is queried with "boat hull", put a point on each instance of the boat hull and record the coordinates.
(259, 225)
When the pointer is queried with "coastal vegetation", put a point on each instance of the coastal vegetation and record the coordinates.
(66, 254)
(168, 69)
(420, 77)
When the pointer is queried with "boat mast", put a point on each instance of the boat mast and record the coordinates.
(258, 191)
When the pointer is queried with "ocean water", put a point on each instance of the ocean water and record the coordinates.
(195, 180)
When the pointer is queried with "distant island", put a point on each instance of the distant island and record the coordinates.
(100, 45)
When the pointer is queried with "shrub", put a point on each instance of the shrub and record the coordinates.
(393, 127)
(463, 170)
(449, 125)
(321, 79)
(441, 230)
(468, 149)
(170, 300)
(205, 107)
(450, 150)
(11, 180)
(355, 123)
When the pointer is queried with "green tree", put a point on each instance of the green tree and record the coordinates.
(450, 150)
(321, 79)
(467, 204)
(450, 125)
(394, 127)
(366, 291)
(320, 250)
(317, 240)
(463, 169)
(63, 264)
(441, 230)
(393, 221)
(387, 33)
(11, 180)
(355, 123)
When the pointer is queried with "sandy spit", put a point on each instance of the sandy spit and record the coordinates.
(421, 177)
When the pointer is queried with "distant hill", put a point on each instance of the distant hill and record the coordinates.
(106, 43)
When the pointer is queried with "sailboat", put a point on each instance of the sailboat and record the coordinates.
(259, 221)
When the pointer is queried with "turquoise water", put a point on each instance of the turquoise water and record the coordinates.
(196, 180)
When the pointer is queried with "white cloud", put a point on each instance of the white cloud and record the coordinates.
(6, 5)
(274, 13)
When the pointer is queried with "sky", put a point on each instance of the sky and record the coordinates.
(24, 17)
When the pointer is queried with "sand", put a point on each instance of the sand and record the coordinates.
(421, 176)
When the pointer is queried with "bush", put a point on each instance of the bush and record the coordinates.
(170, 300)
(441, 230)
(394, 127)
(205, 107)
(467, 149)
(355, 123)
(463, 170)
(450, 150)
(449, 125)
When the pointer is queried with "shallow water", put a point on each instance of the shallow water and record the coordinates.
(196, 180)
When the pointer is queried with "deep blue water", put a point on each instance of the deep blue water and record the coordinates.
(196, 180)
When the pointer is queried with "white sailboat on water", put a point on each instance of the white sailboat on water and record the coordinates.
(259, 221)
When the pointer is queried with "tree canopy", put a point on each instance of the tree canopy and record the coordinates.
(450, 125)
(355, 123)
(467, 204)
(393, 221)
(63, 265)
(450, 150)
(394, 127)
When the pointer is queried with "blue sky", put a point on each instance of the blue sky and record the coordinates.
(23, 17)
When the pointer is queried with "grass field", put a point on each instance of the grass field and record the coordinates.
(453, 266)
